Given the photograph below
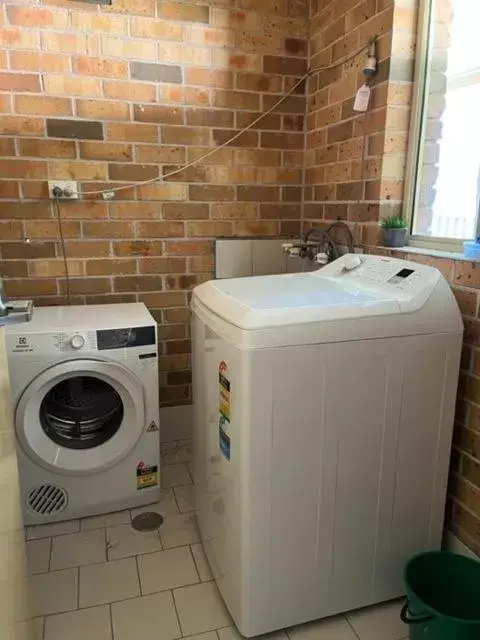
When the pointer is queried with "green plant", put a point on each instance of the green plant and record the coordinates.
(393, 222)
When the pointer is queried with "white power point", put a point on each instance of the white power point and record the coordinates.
(69, 189)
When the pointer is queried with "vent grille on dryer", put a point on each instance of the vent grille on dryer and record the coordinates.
(47, 499)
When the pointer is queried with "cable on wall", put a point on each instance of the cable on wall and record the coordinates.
(108, 194)
(64, 251)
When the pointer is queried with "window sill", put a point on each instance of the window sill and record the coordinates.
(434, 253)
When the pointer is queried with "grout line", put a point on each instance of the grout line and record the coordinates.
(78, 588)
(111, 621)
(176, 612)
(194, 563)
(351, 626)
(138, 576)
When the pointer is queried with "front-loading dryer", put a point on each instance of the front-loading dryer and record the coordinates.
(84, 383)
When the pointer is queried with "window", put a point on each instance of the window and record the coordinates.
(444, 162)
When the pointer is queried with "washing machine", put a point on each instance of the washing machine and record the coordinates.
(323, 408)
(84, 382)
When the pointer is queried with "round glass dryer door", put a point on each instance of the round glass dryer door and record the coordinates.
(80, 416)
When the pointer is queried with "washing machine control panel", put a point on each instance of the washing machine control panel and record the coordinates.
(75, 341)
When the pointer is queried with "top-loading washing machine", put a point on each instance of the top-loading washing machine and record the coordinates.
(84, 382)
(324, 406)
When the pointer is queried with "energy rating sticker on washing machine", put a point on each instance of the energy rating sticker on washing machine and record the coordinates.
(147, 475)
(224, 389)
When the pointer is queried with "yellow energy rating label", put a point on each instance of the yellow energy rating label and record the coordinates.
(224, 390)
(147, 475)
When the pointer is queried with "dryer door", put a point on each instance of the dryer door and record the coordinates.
(80, 416)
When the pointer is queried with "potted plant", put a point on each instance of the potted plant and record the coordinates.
(394, 231)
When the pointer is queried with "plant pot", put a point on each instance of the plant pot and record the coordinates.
(394, 237)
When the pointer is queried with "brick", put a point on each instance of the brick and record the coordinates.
(172, 363)
(207, 229)
(179, 377)
(188, 248)
(256, 228)
(55, 268)
(209, 78)
(72, 86)
(108, 229)
(138, 283)
(129, 91)
(467, 301)
(135, 210)
(76, 170)
(100, 67)
(210, 37)
(43, 105)
(131, 132)
(280, 211)
(471, 470)
(132, 172)
(184, 12)
(156, 29)
(28, 250)
(184, 95)
(467, 274)
(7, 147)
(85, 210)
(127, 48)
(49, 229)
(155, 72)
(14, 38)
(34, 189)
(102, 109)
(259, 82)
(74, 129)
(209, 117)
(9, 189)
(201, 264)
(19, 82)
(5, 103)
(236, 100)
(281, 140)
(29, 287)
(258, 193)
(211, 193)
(160, 114)
(234, 211)
(159, 154)
(82, 21)
(324, 192)
(105, 151)
(161, 265)
(160, 229)
(185, 211)
(43, 148)
(37, 17)
(232, 60)
(246, 139)
(296, 47)
(32, 61)
(140, 7)
(14, 269)
(163, 299)
(25, 210)
(15, 168)
(70, 42)
(162, 191)
(176, 53)
(89, 285)
(138, 248)
(11, 230)
(284, 65)
(293, 104)
(186, 135)
(258, 157)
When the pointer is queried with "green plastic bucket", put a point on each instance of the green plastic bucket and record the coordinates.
(443, 597)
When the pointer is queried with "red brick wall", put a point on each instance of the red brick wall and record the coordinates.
(110, 94)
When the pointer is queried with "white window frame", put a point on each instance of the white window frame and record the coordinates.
(416, 136)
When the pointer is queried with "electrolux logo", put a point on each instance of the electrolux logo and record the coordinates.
(22, 340)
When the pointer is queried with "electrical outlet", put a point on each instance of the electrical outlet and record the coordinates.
(69, 189)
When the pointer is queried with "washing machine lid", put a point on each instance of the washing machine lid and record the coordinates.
(350, 288)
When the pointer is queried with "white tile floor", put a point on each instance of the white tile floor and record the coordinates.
(100, 579)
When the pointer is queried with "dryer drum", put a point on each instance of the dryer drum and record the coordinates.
(81, 412)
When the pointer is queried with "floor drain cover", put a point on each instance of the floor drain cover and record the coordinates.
(148, 521)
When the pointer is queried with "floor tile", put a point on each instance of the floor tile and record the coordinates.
(190, 470)
(54, 592)
(38, 555)
(200, 608)
(106, 520)
(166, 506)
(185, 497)
(108, 582)
(179, 530)
(174, 475)
(232, 633)
(381, 622)
(124, 541)
(178, 451)
(208, 635)
(76, 549)
(92, 624)
(166, 570)
(54, 529)
(201, 562)
(147, 617)
(37, 628)
(331, 629)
